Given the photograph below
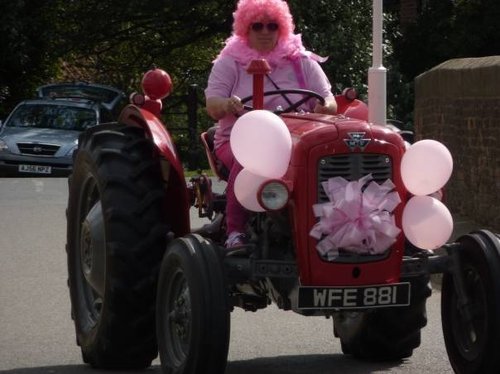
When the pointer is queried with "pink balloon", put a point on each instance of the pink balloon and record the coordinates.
(427, 223)
(262, 143)
(426, 167)
(246, 186)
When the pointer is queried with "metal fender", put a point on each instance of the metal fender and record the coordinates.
(351, 108)
(178, 206)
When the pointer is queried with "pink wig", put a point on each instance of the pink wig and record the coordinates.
(289, 45)
(250, 11)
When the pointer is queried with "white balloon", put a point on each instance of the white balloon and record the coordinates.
(426, 166)
(246, 186)
(427, 223)
(262, 143)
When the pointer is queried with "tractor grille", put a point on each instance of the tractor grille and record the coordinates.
(37, 149)
(352, 167)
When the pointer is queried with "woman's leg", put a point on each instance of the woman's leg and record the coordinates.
(236, 214)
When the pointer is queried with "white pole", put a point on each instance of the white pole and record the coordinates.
(377, 73)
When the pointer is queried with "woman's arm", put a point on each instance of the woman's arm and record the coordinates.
(221, 81)
(319, 82)
(219, 107)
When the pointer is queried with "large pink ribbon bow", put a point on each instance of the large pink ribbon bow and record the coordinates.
(358, 218)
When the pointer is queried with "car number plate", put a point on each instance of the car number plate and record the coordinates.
(377, 296)
(38, 169)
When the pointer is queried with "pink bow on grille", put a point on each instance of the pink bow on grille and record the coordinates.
(358, 218)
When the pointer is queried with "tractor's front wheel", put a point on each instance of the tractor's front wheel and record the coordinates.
(470, 305)
(193, 314)
(116, 237)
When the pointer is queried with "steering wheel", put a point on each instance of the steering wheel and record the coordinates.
(307, 94)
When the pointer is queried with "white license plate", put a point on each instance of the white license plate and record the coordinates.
(363, 297)
(38, 169)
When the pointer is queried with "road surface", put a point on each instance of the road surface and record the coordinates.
(37, 334)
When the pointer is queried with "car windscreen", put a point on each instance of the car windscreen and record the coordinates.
(52, 117)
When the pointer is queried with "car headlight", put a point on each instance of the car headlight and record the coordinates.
(72, 149)
(3, 146)
(273, 195)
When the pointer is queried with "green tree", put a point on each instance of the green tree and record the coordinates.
(117, 41)
(428, 41)
(342, 31)
(444, 30)
(25, 41)
(449, 29)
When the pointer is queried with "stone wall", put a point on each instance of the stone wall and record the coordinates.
(458, 104)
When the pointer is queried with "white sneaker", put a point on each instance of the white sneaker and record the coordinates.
(235, 239)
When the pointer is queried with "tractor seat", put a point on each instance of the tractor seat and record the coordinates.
(218, 168)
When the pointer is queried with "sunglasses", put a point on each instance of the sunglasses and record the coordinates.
(259, 26)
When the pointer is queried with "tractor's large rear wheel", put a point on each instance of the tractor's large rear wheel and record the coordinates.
(193, 312)
(116, 237)
(471, 327)
(385, 334)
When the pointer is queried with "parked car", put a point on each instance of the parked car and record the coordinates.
(40, 135)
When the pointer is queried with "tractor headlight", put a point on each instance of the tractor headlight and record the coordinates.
(273, 195)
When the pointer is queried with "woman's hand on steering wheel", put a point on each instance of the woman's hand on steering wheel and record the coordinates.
(329, 107)
(234, 105)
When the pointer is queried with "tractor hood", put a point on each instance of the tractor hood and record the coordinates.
(337, 134)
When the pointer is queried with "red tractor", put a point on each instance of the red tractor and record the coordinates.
(142, 282)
